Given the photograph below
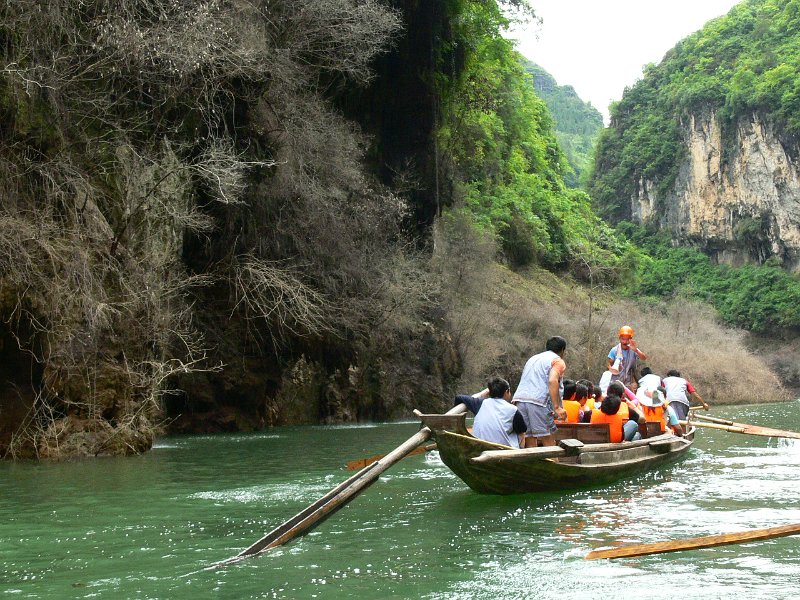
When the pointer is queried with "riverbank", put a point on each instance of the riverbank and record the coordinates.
(509, 315)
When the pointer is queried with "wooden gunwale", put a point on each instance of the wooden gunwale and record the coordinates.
(534, 469)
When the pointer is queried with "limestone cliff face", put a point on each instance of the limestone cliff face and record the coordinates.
(737, 198)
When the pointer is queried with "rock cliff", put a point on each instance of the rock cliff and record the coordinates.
(736, 194)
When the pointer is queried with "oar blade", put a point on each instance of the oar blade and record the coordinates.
(708, 541)
(746, 429)
(360, 463)
(768, 432)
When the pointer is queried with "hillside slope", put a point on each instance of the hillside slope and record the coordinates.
(705, 145)
(577, 123)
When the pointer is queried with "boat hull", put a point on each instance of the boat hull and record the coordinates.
(592, 465)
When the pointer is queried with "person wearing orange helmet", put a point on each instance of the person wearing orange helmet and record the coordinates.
(623, 358)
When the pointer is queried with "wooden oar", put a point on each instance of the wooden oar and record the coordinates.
(746, 429)
(315, 513)
(708, 541)
(713, 419)
(360, 463)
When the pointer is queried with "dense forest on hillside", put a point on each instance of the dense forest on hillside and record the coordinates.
(577, 123)
(743, 62)
(736, 66)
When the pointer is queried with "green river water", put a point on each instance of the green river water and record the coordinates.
(137, 527)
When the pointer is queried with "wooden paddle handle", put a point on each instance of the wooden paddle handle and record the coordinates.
(714, 426)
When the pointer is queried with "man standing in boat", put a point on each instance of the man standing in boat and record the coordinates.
(623, 358)
(538, 396)
(679, 391)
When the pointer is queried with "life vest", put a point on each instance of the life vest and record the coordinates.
(573, 408)
(623, 410)
(615, 423)
(654, 414)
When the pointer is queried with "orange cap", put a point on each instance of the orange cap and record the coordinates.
(626, 330)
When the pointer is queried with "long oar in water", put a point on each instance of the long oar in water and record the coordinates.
(723, 425)
(315, 513)
(708, 541)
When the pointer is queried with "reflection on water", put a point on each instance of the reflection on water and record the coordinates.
(133, 527)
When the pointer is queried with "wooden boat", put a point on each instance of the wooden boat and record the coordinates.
(584, 457)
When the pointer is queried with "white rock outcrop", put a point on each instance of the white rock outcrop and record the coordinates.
(738, 198)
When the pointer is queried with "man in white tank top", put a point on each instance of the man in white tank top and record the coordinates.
(538, 395)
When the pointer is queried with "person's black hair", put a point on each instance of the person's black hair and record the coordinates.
(646, 371)
(611, 404)
(569, 388)
(590, 390)
(673, 373)
(581, 391)
(497, 387)
(616, 387)
(556, 344)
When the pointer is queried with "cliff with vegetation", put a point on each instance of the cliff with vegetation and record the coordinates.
(577, 123)
(231, 215)
(705, 145)
(219, 216)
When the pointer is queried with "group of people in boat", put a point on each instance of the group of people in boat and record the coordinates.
(544, 398)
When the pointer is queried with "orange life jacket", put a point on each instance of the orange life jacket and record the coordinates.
(623, 410)
(573, 408)
(654, 414)
(615, 423)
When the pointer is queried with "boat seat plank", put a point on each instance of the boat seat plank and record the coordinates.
(653, 428)
(571, 445)
(588, 433)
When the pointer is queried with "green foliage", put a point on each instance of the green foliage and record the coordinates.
(746, 61)
(577, 123)
(761, 298)
(500, 138)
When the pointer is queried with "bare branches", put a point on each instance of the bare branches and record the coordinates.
(225, 170)
(132, 126)
(264, 290)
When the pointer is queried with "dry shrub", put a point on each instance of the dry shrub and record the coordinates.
(687, 336)
(500, 318)
(463, 260)
(127, 129)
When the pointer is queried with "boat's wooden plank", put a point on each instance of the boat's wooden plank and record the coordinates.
(663, 445)
(653, 429)
(634, 444)
(588, 433)
(495, 456)
(455, 423)
(571, 446)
